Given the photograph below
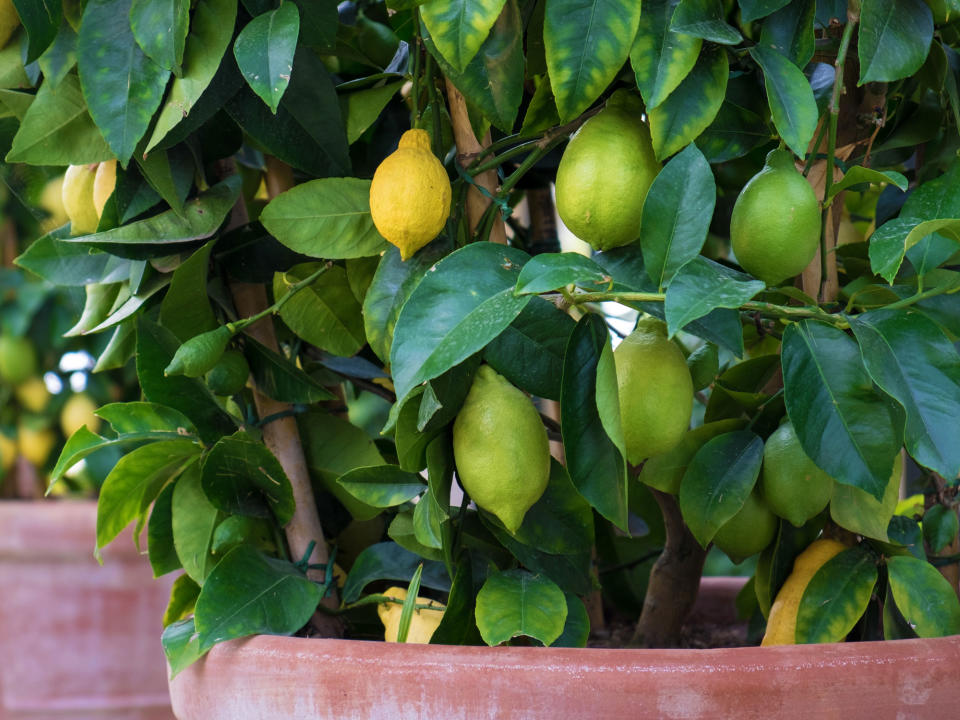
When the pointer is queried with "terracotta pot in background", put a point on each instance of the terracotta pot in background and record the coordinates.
(77, 640)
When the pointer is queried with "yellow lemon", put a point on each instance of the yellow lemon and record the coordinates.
(656, 391)
(410, 194)
(35, 443)
(782, 622)
(32, 394)
(775, 226)
(501, 449)
(104, 182)
(78, 198)
(604, 174)
(423, 622)
(79, 411)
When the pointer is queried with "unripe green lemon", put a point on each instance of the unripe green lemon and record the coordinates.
(793, 486)
(775, 226)
(229, 375)
(749, 531)
(656, 391)
(605, 173)
(501, 448)
(18, 359)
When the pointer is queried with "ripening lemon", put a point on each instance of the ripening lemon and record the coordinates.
(18, 359)
(410, 194)
(749, 531)
(78, 198)
(605, 173)
(32, 394)
(656, 391)
(793, 486)
(78, 411)
(423, 622)
(104, 182)
(775, 226)
(35, 442)
(501, 449)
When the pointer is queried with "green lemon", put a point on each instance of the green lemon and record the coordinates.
(229, 375)
(501, 449)
(793, 486)
(749, 531)
(18, 359)
(656, 391)
(605, 173)
(775, 226)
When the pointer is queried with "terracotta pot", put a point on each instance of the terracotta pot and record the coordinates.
(77, 640)
(274, 678)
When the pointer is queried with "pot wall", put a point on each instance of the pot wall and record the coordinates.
(77, 640)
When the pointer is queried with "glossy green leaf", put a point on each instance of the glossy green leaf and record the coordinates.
(181, 645)
(160, 29)
(858, 174)
(937, 198)
(361, 108)
(515, 603)
(160, 548)
(940, 527)
(328, 218)
(459, 27)
(924, 597)
(211, 29)
(789, 31)
(860, 512)
(135, 482)
(58, 130)
(144, 417)
(185, 309)
(665, 472)
(836, 597)
(701, 286)
(690, 109)
(326, 313)
(183, 598)
(242, 477)
(383, 485)
(890, 242)
(845, 426)
(389, 561)
(791, 99)
(249, 593)
(661, 58)
(458, 626)
(718, 481)
(444, 396)
(739, 126)
(277, 377)
(597, 466)
(587, 42)
(194, 521)
(755, 9)
(440, 325)
(677, 214)
(100, 299)
(264, 52)
(428, 520)
(894, 38)
(704, 19)
(122, 86)
(402, 531)
(576, 629)
(552, 271)
(41, 20)
(913, 361)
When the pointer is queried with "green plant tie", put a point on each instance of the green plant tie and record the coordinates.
(501, 203)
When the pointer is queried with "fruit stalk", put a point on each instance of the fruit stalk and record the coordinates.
(674, 580)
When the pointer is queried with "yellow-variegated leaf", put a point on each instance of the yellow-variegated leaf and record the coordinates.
(459, 27)
(661, 58)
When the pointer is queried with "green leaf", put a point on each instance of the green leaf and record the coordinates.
(703, 285)
(665, 472)
(576, 629)
(72, 264)
(383, 485)
(845, 426)
(361, 108)
(587, 42)
(860, 512)
(242, 477)
(160, 29)
(894, 38)
(493, 81)
(597, 465)
(458, 626)
(194, 521)
(515, 603)
(326, 313)
(160, 548)
(264, 52)
(718, 481)
(890, 242)
(660, 57)
(277, 377)
(704, 19)
(58, 130)
(756, 9)
(183, 598)
(248, 593)
(858, 174)
(913, 361)
(185, 309)
(441, 325)
(389, 561)
(836, 597)
(690, 109)
(211, 30)
(459, 27)
(144, 418)
(923, 596)
(181, 645)
(792, 104)
(677, 214)
(940, 527)
(789, 31)
(403, 532)
(328, 218)
(529, 353)
(41, 20)
(552, 271)
(135, 482)
(122, 86)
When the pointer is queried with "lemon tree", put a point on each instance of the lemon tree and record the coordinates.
(337, 245)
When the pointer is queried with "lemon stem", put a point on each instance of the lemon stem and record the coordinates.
(239, 325)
